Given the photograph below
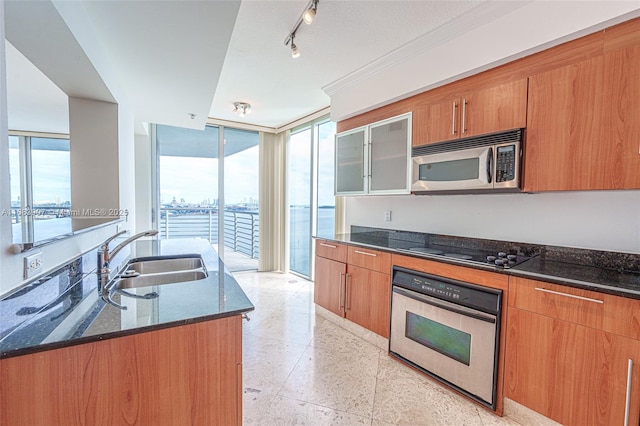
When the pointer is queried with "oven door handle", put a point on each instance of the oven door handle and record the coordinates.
(442, 304)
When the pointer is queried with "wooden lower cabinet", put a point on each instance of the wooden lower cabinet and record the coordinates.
(186, 375)
(357, 289)
(329, 284)
(573, 374)
(368, 299)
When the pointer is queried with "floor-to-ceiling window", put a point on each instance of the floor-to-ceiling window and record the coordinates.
(300, 220)
(196, 199)
(241, 159)
(311, 191)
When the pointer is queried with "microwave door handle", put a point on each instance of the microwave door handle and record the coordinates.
(489, 165)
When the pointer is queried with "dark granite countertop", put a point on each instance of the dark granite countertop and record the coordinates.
(626, 284)
(601, 271)
(65, 308)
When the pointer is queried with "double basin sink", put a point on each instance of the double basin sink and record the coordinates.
(159, 270)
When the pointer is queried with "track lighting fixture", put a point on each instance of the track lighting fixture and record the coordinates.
(241, 108)
(307, 16)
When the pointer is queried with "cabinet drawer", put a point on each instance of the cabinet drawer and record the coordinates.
(370, 259)
(615, 314)
(331, 250)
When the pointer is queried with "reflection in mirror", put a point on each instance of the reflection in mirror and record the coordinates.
(39, 150)
(40, 178)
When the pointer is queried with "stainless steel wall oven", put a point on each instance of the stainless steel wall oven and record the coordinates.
(448, 329)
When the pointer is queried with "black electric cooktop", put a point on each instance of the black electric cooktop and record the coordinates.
(502, 259)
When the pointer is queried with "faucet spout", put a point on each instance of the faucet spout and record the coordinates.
(105, 256)
(129, 240)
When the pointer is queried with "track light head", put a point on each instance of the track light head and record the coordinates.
(295, 53)
(308, 16)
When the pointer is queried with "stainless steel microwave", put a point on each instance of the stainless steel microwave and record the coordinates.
(490, 163)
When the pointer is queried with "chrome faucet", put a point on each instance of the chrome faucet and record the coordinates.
(105, 256)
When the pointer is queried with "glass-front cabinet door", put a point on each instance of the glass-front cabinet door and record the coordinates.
(351, 164)
(390, 152)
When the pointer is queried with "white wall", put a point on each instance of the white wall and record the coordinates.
(600, 220)
(126, 171)
(93, 137)
(143, 182)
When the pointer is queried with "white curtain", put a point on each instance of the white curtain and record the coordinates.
(272, 202)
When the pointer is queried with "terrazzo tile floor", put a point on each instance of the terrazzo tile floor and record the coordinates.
(301, 369)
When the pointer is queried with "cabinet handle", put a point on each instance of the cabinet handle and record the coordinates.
(570, 295)
(365, 253)
(340, 305)
(628, 400)
(453, 120)
(464, 116)
(328, 245)
(346, 292)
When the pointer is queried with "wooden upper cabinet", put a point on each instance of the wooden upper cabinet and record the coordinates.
(498, 108)
(583, 130)
(436, 122)
(475, 112)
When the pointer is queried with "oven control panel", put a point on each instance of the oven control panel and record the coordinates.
(473, 296)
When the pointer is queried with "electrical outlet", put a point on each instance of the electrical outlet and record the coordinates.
(387, 216)
(32, 265)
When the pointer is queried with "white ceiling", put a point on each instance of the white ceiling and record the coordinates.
(345, 36)
(165, 59)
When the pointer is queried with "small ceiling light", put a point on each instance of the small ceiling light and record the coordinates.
(295, 53)
(241, 108)
(191, 115)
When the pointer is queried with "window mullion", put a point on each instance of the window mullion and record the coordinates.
(26, 188)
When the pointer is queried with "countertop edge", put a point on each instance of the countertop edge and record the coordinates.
(122, 333)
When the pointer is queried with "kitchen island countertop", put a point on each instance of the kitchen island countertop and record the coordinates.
(65, 308)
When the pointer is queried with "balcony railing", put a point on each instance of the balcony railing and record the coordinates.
(240, 228)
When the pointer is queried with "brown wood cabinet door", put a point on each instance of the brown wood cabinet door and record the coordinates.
(436, 122)
(619, 146)
(564, 106)
(368, 299)
(328, 287)
(498, 108)
(572, 374)
(583, 130)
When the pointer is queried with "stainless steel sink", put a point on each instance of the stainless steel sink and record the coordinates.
(165, 264)
(145, 280)
(159, 270)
